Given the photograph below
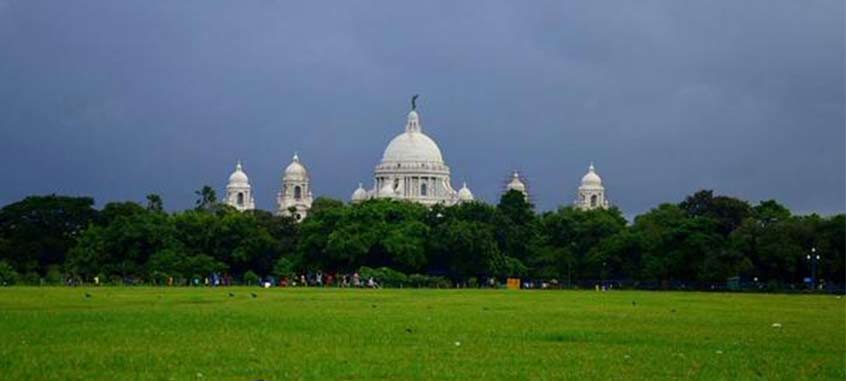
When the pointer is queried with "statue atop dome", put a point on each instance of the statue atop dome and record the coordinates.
(414, 102)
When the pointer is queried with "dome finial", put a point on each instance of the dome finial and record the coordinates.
(296, 157)
(238, 165)
(591, 168)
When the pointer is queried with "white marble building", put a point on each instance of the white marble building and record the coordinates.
(239, 193)
(295, 197)
(412, 168)
(591, 192)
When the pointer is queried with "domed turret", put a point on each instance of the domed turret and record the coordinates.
(296, 191)
(238, 177)
(239, 193)
(516, 183)
(359, 195)
(591, 192)
(464, 194)
(591, 179)
(295, 169)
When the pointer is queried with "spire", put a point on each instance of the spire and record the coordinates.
(296, 158)
(591, 169)
(238, 166)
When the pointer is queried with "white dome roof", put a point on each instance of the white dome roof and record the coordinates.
(412, 145)
(516, 183)
(591, 178)
(360, 194)
(464, 193)
(238, 177)
(295, 169)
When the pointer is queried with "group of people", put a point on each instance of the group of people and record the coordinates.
(319, 279)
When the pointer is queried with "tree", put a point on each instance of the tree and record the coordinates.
(115, 210)
(155, 203)
(514, 221)
(39, 230)
(123, 247)
(8, 276)
(467, 248)
(207, 198)
(727, 212)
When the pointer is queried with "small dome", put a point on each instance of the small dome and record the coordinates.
(516, 183)
(238, 177)
(295, 169)
(591, 179)
(360, 194)
(412, 145)
(464, 193)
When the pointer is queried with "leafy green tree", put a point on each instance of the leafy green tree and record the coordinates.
(8, 276)
(575, 236)
(39, 230)
(115, 210)
(727, 212)
(121, 248)
(155, 203)
(467, 248)
(515, 224)
(206, 198)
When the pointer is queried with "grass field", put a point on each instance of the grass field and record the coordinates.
(323, 334)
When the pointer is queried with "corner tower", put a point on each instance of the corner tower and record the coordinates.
(591, 192)
(295, 197)
(239, 194)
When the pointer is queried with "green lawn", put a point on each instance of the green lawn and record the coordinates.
(329, 334)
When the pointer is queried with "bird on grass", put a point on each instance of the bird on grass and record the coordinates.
(409, 330)
(231, 295)
(253, 294)
(634, 303)
(87, 295)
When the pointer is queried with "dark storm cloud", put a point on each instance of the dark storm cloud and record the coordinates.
(120, 99)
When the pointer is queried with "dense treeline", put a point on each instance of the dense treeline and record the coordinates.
(698, 243)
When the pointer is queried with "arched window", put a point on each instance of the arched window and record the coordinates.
(423, 190)
(240, 199)
(593, 201)
(298, 192)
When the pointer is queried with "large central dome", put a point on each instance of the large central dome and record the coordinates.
(413, 169)
(412, 145)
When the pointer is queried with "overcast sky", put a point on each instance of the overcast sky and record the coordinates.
(118, 99)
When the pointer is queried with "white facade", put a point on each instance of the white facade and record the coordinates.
(295, 197)
(239, 193)
(591, 192)
(412, 168)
